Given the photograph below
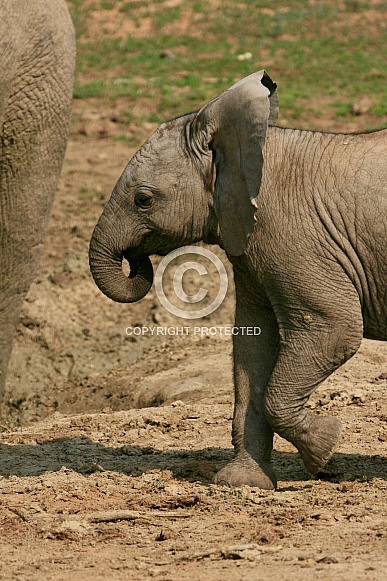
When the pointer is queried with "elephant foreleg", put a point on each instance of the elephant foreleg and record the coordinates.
(254, 358)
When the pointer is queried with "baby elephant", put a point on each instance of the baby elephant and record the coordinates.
(302, 217)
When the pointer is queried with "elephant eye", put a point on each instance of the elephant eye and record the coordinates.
(143, 200)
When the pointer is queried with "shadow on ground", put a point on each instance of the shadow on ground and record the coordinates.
(84, 456)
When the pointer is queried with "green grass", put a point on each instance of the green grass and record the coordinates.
(326, 52)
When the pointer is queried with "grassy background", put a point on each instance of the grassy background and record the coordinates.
(171, 56)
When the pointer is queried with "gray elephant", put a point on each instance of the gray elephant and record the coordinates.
(303, 218)
(37, 56)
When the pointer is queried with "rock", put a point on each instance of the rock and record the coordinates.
(362, 106)
(358, 397)
(167, 54)
(328, 560)
(245, 56)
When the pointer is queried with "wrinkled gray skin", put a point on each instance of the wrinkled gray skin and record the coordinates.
(37, 55)
(311, 275)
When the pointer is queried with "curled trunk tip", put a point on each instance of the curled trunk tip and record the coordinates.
(106, 269)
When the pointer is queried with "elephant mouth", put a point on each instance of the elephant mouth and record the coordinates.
(140, 266)
(132, 256)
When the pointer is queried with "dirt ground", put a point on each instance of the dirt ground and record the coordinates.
(110, 442)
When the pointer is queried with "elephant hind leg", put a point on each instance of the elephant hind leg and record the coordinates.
(306, 359)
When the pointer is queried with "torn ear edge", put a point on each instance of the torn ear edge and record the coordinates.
(273, 98)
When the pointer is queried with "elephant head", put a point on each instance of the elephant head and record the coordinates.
(196, 178)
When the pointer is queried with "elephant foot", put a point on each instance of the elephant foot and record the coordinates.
(316, 445)
(243, 470)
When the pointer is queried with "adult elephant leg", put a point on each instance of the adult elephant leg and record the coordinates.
(306, 358)
(7, 329)
(37, 58)
(252, 435)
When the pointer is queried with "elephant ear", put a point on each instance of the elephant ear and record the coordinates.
(234, 127)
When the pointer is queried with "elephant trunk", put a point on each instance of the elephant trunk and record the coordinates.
(105, 258)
